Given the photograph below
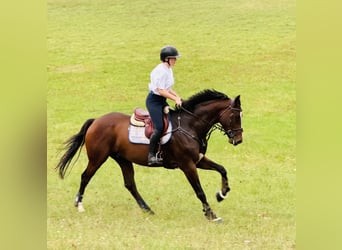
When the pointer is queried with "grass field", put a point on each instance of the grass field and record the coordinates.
(100, 54)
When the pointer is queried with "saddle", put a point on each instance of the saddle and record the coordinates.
(142, 118)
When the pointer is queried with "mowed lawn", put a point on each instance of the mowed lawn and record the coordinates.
(100, 54)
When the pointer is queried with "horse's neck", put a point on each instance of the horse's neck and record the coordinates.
(202, 120)
(208, 116)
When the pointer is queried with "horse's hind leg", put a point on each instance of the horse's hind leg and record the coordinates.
(128, 175)
(91, 169)
(207, 164)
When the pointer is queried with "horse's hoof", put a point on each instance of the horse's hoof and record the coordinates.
(218, 220)
(220, 197)
(148, 211)
(80, 207)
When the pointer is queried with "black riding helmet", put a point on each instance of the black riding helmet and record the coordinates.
(168, 52)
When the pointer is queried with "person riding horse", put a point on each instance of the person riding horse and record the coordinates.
(160, 89)
(107, 136)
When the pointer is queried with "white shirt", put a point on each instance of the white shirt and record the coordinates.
(161, 77)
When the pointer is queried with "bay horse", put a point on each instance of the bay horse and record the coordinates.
(192, 123)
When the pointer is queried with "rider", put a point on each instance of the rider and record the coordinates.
(159, 90)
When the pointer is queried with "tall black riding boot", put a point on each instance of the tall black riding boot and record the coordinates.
(153, 160)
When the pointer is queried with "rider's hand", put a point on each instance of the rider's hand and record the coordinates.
(178, 102)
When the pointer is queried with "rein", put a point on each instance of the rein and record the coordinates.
(212, 129)
(230, 132)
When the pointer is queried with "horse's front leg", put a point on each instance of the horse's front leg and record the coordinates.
(191, 174)
(207, 164)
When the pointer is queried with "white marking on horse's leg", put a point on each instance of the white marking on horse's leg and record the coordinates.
(218, 219)
(221, 195)
(80, 207)
(200, 157)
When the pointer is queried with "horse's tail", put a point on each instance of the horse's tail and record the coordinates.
(72, 145)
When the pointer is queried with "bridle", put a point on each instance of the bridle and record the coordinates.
(230, 132)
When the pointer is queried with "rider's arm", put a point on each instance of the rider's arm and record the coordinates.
(170, 94)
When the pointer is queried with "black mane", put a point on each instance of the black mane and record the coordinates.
(203, 96)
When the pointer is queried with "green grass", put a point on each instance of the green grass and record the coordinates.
(100, 54)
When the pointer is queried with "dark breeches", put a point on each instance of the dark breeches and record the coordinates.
(155, 105)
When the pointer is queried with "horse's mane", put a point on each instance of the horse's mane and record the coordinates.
(203, 96)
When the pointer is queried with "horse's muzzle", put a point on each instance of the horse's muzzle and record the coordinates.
(234, 141)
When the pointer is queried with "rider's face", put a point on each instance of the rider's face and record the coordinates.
(172, 61)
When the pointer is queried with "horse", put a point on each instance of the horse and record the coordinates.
(192, 124)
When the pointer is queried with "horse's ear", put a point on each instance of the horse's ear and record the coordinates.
(236, 102)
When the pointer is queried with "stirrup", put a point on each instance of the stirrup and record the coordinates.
(159, 155)
(155, 161)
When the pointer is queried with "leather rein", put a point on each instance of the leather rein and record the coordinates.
(230, 132)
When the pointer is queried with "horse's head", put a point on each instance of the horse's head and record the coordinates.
(201, 105)
(230, 119)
